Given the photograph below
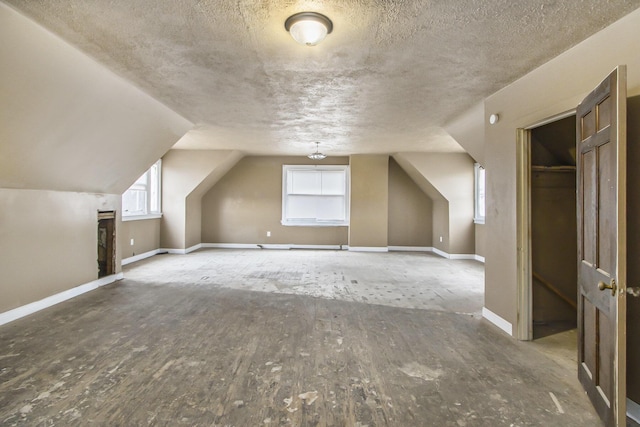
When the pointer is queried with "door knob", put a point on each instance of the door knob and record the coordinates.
(602, 286)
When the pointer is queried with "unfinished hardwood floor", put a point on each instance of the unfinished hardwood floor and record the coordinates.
(258, 338)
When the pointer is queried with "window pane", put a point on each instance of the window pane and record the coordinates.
(134, 202)
(143, 197)
(304, 182)
(333, 182)
(299, 207)
(331, 208)
(154, 188)
(142, 181)
(481, 184)
(479, 193)
(154, 198)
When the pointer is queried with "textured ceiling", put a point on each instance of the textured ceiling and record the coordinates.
(387, 79)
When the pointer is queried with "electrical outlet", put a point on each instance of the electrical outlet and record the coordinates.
(440, 239)
(131, 242)
(268, 234)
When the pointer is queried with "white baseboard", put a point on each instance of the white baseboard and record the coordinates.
(181, 251)
(274, 246)
(269, 246)
(633, 410)
(410, 249)
(231, 245)
(319, 247)
(457, 256)
(140, 256)
(25, 310)
(462, 256)
(173, 251)
(368, 249)
(338, 247)
(497, 320)
(443, 254)
(193, 248)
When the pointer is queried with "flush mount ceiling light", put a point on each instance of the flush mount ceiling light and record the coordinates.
(308, 28)
(317, 155)
(493, 119)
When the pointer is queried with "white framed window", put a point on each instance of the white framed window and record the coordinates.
(142, 199)
(315, 195)
(479, 179)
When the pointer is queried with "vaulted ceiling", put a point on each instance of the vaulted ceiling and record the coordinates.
(388, 79)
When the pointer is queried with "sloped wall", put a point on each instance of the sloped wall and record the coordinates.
(69, 124)
(73, 137)
(449, 177)
(186, 175)
(410, 210)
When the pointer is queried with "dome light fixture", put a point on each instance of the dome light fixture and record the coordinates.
(317, 155)
(308, 28)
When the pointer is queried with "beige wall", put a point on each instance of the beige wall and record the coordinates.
(48, 242)
(145, 234)
(247, 202)
(66, 122)
(369, 220)
(440, 206)
(410, 210)
(73, 137)
(194, 199)
(441, 237)
(186, 175)
(551, 89)
(451, 176)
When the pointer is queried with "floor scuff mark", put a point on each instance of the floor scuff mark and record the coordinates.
(557, 402)
(163, 369)
(288, 402)
(309, 397)
(4, 356)
(416, 370)
(25, 410)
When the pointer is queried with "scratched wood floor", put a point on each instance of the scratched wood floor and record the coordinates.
(180, 352)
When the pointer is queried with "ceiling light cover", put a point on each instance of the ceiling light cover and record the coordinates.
(308, 28)
(317, 155)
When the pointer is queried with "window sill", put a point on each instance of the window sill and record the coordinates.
(314, 224)
(126, 218)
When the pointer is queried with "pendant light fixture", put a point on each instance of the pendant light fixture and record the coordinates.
(317, 155)
(308, 28)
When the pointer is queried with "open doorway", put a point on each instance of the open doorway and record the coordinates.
(633, 267)
(537, 156)
(553, 227)
(106, 243)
